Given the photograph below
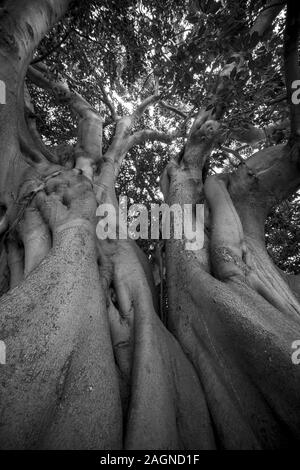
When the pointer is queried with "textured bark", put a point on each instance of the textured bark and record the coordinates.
(164, 404)
(294, 283)
(23, 25)
(59, 388)
(234, 316)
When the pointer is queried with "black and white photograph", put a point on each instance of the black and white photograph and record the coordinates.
(149, 229)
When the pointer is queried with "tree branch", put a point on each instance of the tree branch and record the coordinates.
(235, 153)
(23, 25)
(268, 177)
(152, 135)
(173, 109)
(89, 146)
(40, 76)
(108, 102)
(141, 108)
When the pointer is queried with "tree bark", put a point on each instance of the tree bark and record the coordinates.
(231, 311)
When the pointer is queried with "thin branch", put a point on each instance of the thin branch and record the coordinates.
(278, 100)
(152, 135)
(235, 153)
(60, 89)
(173, 109)
(141, 108)
(88, 38)
(145, 81)
(108, 102)
(229, 157)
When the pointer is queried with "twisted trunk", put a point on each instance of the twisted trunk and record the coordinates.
(231, 310)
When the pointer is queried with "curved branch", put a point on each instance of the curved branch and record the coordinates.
(174, 109)
(152, 135)
(108, 102)
(89, 146)
(235, 153)
(141, 108)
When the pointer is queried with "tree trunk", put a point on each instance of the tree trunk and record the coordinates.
(230, 309)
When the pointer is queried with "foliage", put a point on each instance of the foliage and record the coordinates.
(283, 235)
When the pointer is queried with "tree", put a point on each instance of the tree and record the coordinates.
(90, 364)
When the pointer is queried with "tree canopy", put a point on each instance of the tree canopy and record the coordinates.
(196, 54)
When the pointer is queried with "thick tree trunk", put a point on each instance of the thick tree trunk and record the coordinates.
(59, 388)
(23, 25)
(230, 309)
